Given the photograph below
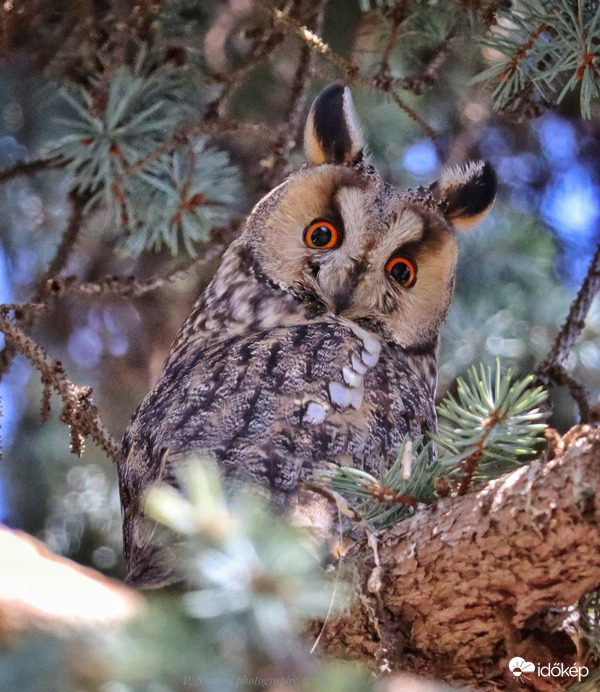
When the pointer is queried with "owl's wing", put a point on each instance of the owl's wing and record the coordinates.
(270, 406)
(273, 403)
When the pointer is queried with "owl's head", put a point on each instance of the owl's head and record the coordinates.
(340, 239)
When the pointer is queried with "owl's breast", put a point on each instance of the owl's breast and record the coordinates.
(272, 405)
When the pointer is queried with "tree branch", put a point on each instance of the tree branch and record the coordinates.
(463, 587)
(350, 69)
(40, 590)
(32, 167)
(27, 316)
(78, 411)
(551, 369)
(413, 115)
(208, 125)
(128, 286)
(65, 247)
(293, 112)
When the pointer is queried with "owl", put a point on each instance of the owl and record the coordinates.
(316, 339)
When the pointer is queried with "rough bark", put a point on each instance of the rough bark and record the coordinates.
(465, 586)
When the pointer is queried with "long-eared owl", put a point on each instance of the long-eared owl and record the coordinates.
(316, 339)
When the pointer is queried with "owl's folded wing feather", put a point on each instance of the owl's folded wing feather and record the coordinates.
(270, 406)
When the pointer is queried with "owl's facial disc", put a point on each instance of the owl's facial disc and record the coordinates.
(345, 243)
(392, 265)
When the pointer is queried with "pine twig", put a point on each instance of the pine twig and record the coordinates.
(385, 81)
(23, 313)
(78, 409)
(429, 75)
(316, 43)
(208, 125)
(32, 167)
(413, 115)
(293, 112)
(551, 369)
(470, 465)
(397, 19)
(65, 247)
(493, 420)
(129, 286)
(350, 69)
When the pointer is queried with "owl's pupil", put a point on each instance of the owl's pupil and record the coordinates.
(400, 272)
(320, 236)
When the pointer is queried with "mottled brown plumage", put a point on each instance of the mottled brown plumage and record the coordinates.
(298, 354)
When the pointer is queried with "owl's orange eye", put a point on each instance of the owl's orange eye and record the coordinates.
(403, 270)
(321, 235)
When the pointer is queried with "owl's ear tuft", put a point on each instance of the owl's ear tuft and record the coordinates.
(466, 194)
(332, 133)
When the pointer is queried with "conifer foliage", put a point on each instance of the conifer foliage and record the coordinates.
(171, 198)
(547, 47)
(494, 423)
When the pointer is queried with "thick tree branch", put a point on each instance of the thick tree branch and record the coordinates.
(464, 586)
(51, 593)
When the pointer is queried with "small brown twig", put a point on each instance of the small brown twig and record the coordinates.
(413, 115)
(312, 39)
(28, 317)
(78, 409)
(293, 113)
(397, 19)
(470, 465)
(128, 286)
(65, 247)
(32, 167)
(208, 125)
(551, 369)
(351, 70)
(429, 75)
(554, 373)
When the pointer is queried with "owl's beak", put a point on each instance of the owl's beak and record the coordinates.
(342, 297)
(337, 283)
